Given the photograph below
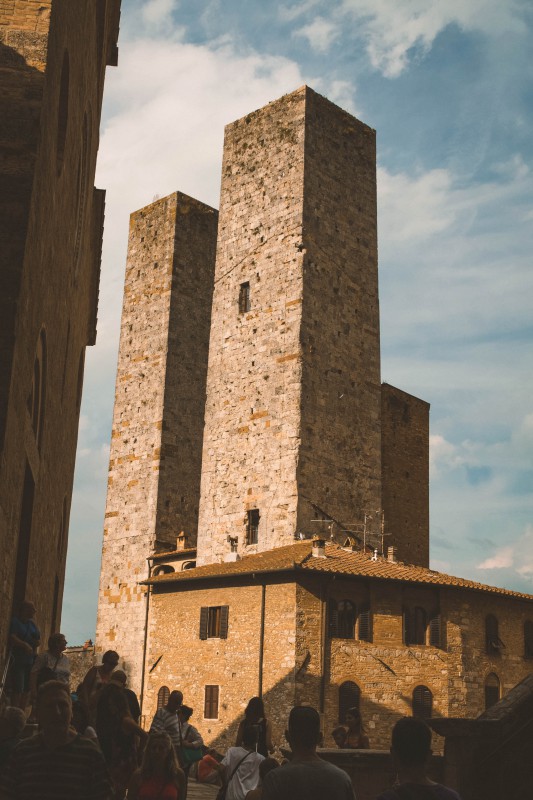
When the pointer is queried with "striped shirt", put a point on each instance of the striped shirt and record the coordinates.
(73, 770)
(168, 722)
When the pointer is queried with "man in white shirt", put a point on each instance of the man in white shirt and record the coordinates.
(240, 766)
(52, 665)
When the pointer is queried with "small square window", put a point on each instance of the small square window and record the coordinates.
(214, 622)
(211, 702)
(244, 298)
(252, 526)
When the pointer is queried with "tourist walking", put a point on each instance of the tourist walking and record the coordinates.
(160, 776)
(52, 665)
(166, 719)
(254, 714)
(356, 736)
(411, 750)
(56, 763)
(240, 766)
(306, 775)
(97, 677)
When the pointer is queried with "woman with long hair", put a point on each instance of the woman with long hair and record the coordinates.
(160, 776)
(356, 735)
(254, 714)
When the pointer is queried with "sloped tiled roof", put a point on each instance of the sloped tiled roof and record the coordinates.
(187, 552)
(338, 561)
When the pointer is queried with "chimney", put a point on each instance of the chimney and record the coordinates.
(319, 548)
(233, 555)
(181, 541)
(392, 554)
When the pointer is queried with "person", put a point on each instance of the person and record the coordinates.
(207, 768)
(80, 721)
(306, 775)
(24, 638)
(53, 664)
(411, 750)
(254, 714)
(264, 768)
(356, 736)
(56, 763)
(239, 768)
(160, 776)
(117, 735)
(12, 723)
(97, 677)
(339, 735)
(192, 744)
(120, 677)
(166, 719)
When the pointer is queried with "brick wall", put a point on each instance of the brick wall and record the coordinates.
(155, 459)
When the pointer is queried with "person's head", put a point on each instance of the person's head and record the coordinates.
(255, 709)
(250, 736)
(113, 700)
(339, 735)
(175, 700)
(353, 719)
(185, 713)
(12, 722)
(304, 728)
(54, 708)
(266, 765)
(110, 660)
(159, 756)
(411, 742)
(57, 643)
(120, 677)
(27, 609)
(80, 716)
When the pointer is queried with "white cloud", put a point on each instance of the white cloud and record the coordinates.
(501, 559)
(321, 33)
(289, 13)
(157, 14)
(517, 556)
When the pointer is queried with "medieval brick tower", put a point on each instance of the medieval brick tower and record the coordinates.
(155, 459)
(292, 430)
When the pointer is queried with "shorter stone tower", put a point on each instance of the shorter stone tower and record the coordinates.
(155, 459)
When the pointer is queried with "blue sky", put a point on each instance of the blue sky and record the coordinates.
(448, 86)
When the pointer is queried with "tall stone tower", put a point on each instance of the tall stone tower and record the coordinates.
(156, 446)
(292, 428)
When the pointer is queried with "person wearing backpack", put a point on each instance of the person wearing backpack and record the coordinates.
(240, 767)
(411, 750)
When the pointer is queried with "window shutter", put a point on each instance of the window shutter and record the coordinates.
(333, 620)
(435, 638)
(224, 614)
(365, 630)
(163, 696)
(204, 613)
(422, 702)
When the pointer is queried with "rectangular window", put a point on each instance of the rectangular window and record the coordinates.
(211, 702)
(244, 298)
(252, 526)
(214, 622)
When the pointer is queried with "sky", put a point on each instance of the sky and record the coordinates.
(447, 84)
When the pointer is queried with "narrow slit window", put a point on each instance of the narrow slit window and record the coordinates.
(211, 702)
(252, 526)
(244, 297)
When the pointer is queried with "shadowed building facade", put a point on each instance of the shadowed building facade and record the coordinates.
(53, 56)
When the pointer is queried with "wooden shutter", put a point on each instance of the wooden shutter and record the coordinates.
(224, 615)
(211, 702)
(162, 696)
(204, 615)
(422, 702)
(333, 619)
(365, 625)
(435, 637)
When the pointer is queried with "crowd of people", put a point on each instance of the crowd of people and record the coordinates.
(89, 744)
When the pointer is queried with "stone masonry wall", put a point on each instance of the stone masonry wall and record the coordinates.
(405, 471)
(51, 75)
(154, 468)
(339, 467)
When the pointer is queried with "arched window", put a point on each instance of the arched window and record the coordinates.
(492, 690)
(493, 643)
(349, 697)
(528, 638)
(162, 696)
(422, 702)
(163, 569)
(189, 565)
(36, 397)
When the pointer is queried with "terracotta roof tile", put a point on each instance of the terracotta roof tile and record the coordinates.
(338, 561)
(188, 551)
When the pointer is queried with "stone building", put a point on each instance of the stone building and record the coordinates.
(266, 362)
(53, 59)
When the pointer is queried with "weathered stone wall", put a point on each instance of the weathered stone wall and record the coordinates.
(405, 474)
(81, 659)
(51, 74)
(293, 398)
(155, 459)
(302, 664)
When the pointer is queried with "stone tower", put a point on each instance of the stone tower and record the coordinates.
(155, 459)
(292, 428)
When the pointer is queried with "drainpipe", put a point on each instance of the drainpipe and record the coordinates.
(324, 595)
(262, 639)
(141, 697)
